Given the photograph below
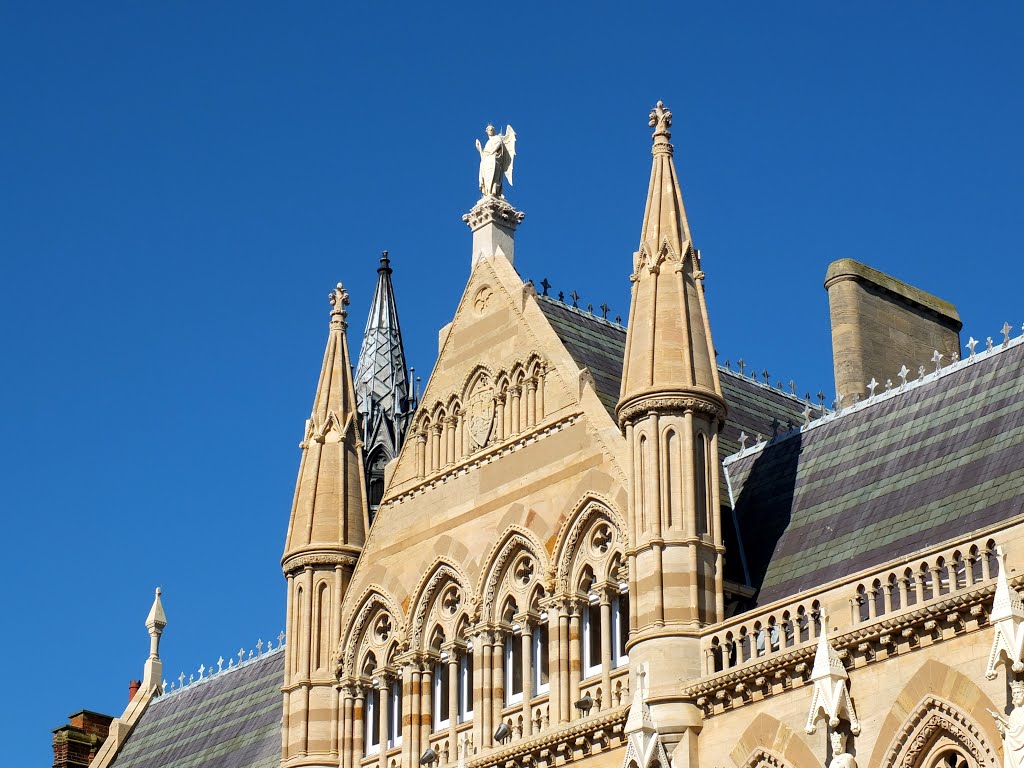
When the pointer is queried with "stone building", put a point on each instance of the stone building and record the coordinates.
(594, 545)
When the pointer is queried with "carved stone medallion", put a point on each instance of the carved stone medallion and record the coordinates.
(480, 411)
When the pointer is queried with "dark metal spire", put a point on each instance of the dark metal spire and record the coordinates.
(384, 395)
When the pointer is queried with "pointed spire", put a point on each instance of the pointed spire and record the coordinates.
(329, 506)
(668, 345)
(831, 696)
(155, 623)
(384, 395)
(1007, 603)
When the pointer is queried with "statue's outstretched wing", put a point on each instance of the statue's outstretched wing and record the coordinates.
(509, 140)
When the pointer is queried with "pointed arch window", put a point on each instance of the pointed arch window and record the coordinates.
(442, 687)
(466, 684)
(620, 626)
(394, 734)
(540, 656)
(514, 666)
(592, 629)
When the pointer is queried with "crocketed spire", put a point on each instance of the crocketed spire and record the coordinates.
(668, 347)
(329, 507)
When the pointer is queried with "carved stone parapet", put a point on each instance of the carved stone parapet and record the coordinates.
(493, 210)
(639, 406)
(860, 646)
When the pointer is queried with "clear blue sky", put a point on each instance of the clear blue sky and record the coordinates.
(183, 183)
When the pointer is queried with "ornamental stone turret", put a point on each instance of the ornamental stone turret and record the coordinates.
(671, 410)
(384, 396)
(327, 530)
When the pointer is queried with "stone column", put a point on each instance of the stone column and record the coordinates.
(517, 426)
(421, 454)
(531, 402)
(453, 694)
(410, 740)
(482, 705)
(575, 657)
(497, 679)
(606, 646)
(540, 395)
(478, 684)
(384, 719)
(499, 417)
(426, 724)
(348, 697)
(562, 635)
(358, 711)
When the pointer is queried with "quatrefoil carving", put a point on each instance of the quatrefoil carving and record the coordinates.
(524, 570)
(602, 538)
(451, 601)
(382, 629)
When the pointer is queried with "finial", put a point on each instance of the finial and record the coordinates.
(937, 359)
(575, 298)
(660, 120)
(339, 300)
(903, 372)
(1006, 333)
(971, 344)
(872, 385)
(545, 285)
(385, 265)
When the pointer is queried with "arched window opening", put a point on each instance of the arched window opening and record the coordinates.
(513, 654)
(620, 626)
(395, 714)
(466, 684)
(442, 688)
(321, 638)
(371, 722)
(375, 482)
(592, 630)
(540, 656)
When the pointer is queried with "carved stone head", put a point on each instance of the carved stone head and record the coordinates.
(838, 740)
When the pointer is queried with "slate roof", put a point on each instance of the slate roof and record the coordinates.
(906, 471)
(600, 345)
(232, 720)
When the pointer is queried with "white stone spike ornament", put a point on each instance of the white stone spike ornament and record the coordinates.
(831, 695)
(1007, 617)
(643, 744)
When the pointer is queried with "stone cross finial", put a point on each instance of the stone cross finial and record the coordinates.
(220, 664)
(903, 376)
(971, 344)
(545, 285)
(988, 344)
(241, 655)
(605, 309)
(764, 373)
(202, 668)
(660, 120)
(871, 386)
(259, 646)
(575, 298)
(280, 639)
(821, 400)
(920, 372)
(743, 441)
(181, 680)
(937, 359)
(743, 365)
(792, 386)
(1006, 333)
(339, 300)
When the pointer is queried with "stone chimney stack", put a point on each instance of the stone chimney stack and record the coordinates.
(880, 324)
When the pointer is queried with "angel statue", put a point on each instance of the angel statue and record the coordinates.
(496, 159)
